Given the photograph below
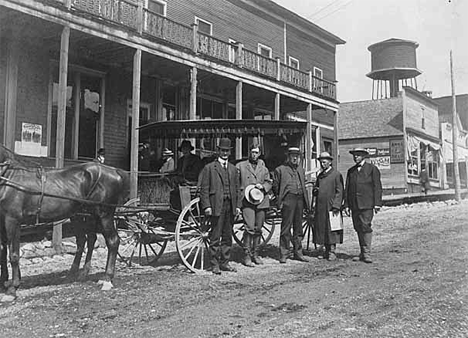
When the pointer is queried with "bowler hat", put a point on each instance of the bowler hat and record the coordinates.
(253, 195)
(224, 143)
(187, 144)
(294, 150)
(358, 150)
(324, 155)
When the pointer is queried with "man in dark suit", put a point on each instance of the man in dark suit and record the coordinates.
(289, 187)
(188, 165)
(219, 194)
(363, 197)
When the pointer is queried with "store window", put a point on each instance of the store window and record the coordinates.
(432, 162)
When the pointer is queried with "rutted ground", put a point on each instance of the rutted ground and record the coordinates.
(417, 287)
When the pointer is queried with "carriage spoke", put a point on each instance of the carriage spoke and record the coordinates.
(190, 242)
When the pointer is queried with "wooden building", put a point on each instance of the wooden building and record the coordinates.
(401, 134)
(78, 75)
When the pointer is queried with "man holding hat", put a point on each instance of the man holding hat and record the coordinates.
(188, 165)
(255, 183)
(289, 187)
(363, 197)
(328, 192)
(219, 194)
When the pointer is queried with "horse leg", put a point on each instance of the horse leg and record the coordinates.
(112, 242)
(80, 244)
(90, 240)
(13, 241)
(3, 254)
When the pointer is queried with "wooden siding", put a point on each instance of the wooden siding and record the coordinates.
(392, 179)
(2, 84)
(416, 107)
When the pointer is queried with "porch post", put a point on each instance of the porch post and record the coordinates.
(193, 94)
(76, 123)
(239, 117)
(309, 142)
(61, 114)
(11, 92)
(335, 138)
(135, 124)
(277, 106)
(102, 111)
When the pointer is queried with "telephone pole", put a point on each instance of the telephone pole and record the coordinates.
(456, 172)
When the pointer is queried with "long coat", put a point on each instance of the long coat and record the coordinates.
(191, 168)
(330, 196)
(363, 189)
(212, 188)
(282, 176)
(249, 175)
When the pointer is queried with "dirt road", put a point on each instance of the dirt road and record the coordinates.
(416, 287)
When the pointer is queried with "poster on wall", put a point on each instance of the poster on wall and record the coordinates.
(31, 139)
(397, 154)
(379, 157)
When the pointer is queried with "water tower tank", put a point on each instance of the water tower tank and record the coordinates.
(393, 65)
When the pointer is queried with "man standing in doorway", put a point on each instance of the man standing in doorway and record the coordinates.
(255, 183)
(219, 194)
(363, 197)
(289, 187)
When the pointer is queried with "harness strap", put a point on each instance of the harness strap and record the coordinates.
(41, 198)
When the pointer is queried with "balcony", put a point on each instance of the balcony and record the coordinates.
(134, 17)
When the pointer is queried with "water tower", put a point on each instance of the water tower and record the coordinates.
(393, 65)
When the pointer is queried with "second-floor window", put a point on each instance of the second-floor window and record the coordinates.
(204, 27)
(265, 51)
(293, 63)
(318, 83)
(232, 50)
(157, 6)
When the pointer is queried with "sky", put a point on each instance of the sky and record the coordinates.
(439, 26)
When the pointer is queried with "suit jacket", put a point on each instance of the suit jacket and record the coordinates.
(282, 176)
(363, 188)
(249, 175)
(192, 167)
(212, 189)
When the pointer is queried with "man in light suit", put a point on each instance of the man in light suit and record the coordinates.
(219, 194)
(289, 187)
(363, 197)
(255, 183)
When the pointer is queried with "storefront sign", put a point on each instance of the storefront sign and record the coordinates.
(397, 154)
(31, 139)
(381, 162)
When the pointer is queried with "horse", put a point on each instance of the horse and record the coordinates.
(31, 194)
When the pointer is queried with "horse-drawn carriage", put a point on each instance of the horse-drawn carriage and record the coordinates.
(148, 232)
(147, 223)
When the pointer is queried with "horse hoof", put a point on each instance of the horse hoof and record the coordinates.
(8, 298)
(106, 285)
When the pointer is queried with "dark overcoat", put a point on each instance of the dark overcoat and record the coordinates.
(212, 187)
(330, 196)
(363, 189)
(249, 175)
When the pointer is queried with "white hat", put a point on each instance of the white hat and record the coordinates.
(253, 195)
(167, 152)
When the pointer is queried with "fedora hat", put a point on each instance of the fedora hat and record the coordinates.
(253, 195)
(224, 143)
(294, 150)
(186, 143)
(359, 151)
(167, 152)
(325, 154)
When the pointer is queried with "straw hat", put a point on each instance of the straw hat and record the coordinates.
(253, 195)
(294, 150)
(358, 151)
(167, 152)
(325, 154)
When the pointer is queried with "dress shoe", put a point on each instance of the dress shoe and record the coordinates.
(257, 260)
(282, 260)
(227, 267)
(367, 259)
(331, 256)
(215, 270)
(300, 258)
(357, 258)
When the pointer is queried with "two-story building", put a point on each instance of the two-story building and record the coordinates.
(78, 75)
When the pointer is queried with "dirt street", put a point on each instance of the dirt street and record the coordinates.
(416, 287)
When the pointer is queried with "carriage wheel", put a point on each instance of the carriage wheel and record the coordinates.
(138, 241)
(307, 230)
(192, 237)
(272, 219)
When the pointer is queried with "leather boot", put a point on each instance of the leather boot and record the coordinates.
(247, 250)
(256, 248)
(331, 253)
(361, 246)
(366, 249)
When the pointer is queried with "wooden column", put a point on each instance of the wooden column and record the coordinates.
(239, 117)
(193, 94)
(11, 92)
(309, 142)
(277, 106)
(61, 114)
(102, 111)
(135, 124)
(76, 120)
(336, 155)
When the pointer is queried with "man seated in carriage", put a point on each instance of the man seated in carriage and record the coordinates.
(189, 165)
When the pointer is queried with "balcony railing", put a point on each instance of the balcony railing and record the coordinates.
(134, 16)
